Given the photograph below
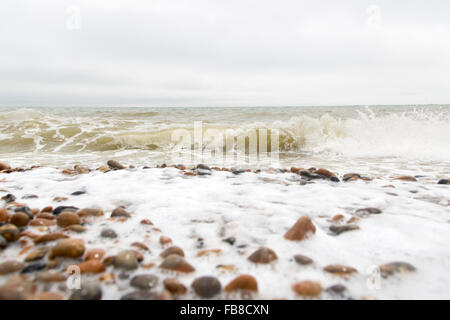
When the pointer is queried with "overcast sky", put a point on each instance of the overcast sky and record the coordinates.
(224, 53)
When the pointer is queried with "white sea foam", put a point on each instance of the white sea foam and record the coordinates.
(257, 209)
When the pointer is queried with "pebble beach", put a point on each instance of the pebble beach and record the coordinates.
(205, 232)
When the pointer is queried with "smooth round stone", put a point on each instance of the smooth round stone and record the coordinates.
(108, 233)
(70, 248)
(10, 267)
(126, 260)
(176, 263)
(243, 282)
(67, 218)
(206, 287)
(20, 219)
(174, 286)
(144, 281)
(34, 267)
(115, 165)
(263, 256)
(10, 232)
(302, 260)
(88, 291)
(391, 268)
(120, 212)
(307, 288)
(60, 209)
(172, 250)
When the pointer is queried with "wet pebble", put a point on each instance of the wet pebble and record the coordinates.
(263, 255)
(60, 209)
(302, 229)
(115, 165)
(10, 232)
(108, 233)
(391, 268)
(37, 254)
(90, 212)
(10, 267)
(67, 218)
(176, 263)
(302, 260)
(243, 282)
(126, 260)
(3, 242)
(206, 287)
(70, 248)
(144, 281)
(174, 286)
(337, 230)
(444, 181)
(88, 291)
(20, 219)
(307, 288)
(367, 211)
(34, 267)
(120, 212)
(339, 270)
(172, 250)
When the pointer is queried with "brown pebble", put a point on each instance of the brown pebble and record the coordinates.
(406, 178)
(206, 286)
(91, 266)
(70, 248)
(307, 288)
(37, 254)
(172, 250)
(140, 245)
(10, 267)
(339, 270)
(4, 166)
(146, 222)
(302, 260)
(75, 228)
(10, 232)
(47, 209)
(243, 282)
(176, 263)
(337, 230)
(338, 217)
(120, 212)
(301, 229)
(20, 219)
(90, 212)
(4, 217)
(50, 237)
(42, 223)
(94, 254)
(46, 215)
(51, 276)
(164, 240)
(208, 252)
(391, 268)
(263, 255)
(174, 286)
(325, 173)
(67, 218)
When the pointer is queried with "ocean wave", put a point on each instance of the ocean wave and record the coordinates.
(417, 134)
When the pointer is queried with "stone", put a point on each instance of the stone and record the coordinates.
(337, 218)
(10, 232)
(367, 211)
(81, 170)
(4, 166)
(120, 212)
(50, 276)
(324, 172)
(70, 248)
(88, 291)
(78, 193)
(230, 240)
(391, 268)
(20, 219)
(263, 255)
(444, 181)
(140, 295)
(146, 222)
(206, 286)
(48, 209)
(60, 209)
(140, 245)
(144, 281)
(90, 212)
(341, 229)
(406, 178)
(302, 260)
(46, 215)
(67, 218)
(37, 254)
(94, 254)
(108, 233)
(115, 165)
(75, 228)
(48, 296)
(50, 237)
(3, 242)
(92, 266)
(174, 286)
(4, 217)
(208, 252)
(172, 250)
(42, 223)
(243, 282)
(126, 260)
(307, 288)
(176, 263)
(38, 266)
(10, 266)
(301, 229)
(351, 176)
(164, 240)
(337, 289)
(339, 270)
(9, 198)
